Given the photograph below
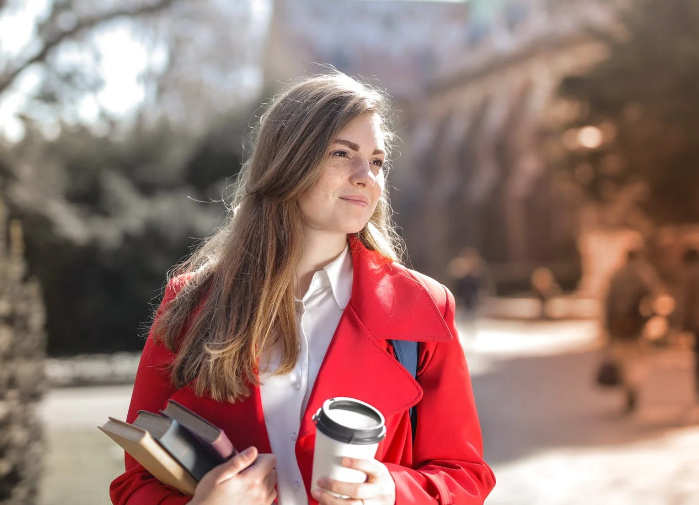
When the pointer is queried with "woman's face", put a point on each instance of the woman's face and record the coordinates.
(351, 180)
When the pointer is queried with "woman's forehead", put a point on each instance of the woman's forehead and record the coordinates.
(367, 127)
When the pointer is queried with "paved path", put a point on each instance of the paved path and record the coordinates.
(80, 460)
(550, 437)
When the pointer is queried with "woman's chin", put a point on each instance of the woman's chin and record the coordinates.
(351, 230)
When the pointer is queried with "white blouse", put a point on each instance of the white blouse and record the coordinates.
(284, 397)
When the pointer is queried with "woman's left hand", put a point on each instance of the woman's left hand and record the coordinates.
(379, 488)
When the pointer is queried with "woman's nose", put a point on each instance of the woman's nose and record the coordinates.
(362, 175)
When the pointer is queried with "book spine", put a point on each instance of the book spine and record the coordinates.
(187, 450)
(221, 448)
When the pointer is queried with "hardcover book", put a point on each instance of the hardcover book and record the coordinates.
(141, 445)
(179, 442)
(213, 438)
(178, 447)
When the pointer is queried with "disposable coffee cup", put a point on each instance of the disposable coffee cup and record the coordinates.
(345, 427)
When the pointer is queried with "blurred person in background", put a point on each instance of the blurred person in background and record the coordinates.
(630, 292)
(306, 272)
(690, 306)
(472, 282)
(545, 287)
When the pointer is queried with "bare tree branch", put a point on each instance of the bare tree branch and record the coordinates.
(81, 26)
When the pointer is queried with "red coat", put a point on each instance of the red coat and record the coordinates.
(389, 301)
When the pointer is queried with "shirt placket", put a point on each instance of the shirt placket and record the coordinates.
(298, 382)
(299, 378)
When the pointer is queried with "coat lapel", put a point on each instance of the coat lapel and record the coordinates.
(357, 363)
(392, 302)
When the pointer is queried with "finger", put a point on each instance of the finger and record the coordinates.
(264, 464)
(371, 467)
(326, 498)
(272, 496)
(235, 465)
(353, 490)
(271, 480)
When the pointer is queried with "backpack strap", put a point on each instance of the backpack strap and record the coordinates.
(407, 354)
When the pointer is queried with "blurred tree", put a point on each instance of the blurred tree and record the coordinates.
(99, 240)
(106, 219)
(108, 204)
(68, 20)
(191, 61)
(632, 142)
(22, 347)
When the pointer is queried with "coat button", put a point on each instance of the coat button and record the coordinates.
(297, 486)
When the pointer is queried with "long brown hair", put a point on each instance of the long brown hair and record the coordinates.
(239, 296)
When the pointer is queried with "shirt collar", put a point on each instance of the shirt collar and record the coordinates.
(339, 273)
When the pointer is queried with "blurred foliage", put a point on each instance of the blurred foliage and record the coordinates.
(109, 207)
(105, 219)
(22, 383)
(65, 26)
(644, 100)
(196, 59)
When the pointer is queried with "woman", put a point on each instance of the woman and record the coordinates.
(306, 274)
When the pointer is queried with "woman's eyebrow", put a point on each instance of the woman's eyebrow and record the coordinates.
(355, 147)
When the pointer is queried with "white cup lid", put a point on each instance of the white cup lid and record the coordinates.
(350, 421)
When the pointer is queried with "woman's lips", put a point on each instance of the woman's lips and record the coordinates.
(356, 200)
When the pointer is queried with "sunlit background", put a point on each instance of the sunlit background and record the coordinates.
(540, 140)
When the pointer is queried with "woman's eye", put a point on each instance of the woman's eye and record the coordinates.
(378, 163)
(343, 154)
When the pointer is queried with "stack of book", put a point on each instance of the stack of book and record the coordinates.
(177, 446)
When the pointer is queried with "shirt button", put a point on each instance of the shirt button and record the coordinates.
(293, 436)
(297, 486)
(297, 385)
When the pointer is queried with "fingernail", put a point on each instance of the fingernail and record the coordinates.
(323, 482)
(248, 452)
(315, 493)
(346, 461)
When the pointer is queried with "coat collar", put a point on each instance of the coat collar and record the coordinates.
(390, 300)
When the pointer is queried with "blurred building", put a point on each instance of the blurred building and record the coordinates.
(474, 87)
(400, 43)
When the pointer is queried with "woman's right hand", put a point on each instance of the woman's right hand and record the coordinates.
(245, 479)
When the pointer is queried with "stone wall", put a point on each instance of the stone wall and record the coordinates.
(22, 380)
(475, 171)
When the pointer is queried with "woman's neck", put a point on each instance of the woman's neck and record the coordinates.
(318, 250)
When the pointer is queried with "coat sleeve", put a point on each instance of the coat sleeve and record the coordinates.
(448, 461)
(152, 388)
